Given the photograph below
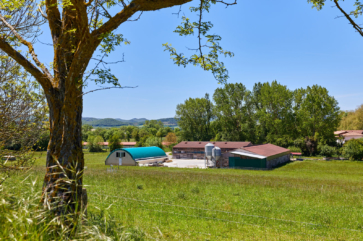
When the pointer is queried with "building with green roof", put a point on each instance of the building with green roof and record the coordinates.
(135, 156)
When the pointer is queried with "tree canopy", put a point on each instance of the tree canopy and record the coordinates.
(194, 117)
(352, 120)
(270, 113)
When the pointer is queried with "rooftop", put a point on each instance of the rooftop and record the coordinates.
(261, 151)
(142, 152)
(348, 132)
(220, 144)
(106, 143)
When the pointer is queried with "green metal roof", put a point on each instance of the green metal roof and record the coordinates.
(142, 152)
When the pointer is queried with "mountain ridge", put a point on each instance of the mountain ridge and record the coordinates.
(115, 122)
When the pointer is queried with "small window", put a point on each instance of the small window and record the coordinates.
(123, 154)
(117, 154)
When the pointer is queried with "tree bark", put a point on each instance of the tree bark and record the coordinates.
(62, 187)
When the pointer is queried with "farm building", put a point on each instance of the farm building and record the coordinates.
(195, 149)
(135, 156)
(264, 156)
(343, 136)
(235, 154)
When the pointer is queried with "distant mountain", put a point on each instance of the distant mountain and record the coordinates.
(110, 122)
(89, 118)
(107, 122)
(134, 120)
(169, 121)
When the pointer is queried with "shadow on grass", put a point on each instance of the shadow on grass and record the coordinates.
(282, 165)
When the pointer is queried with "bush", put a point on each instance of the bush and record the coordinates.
(294, 149)
(94, 144)
(42, 143)
(153, 141)
(353, 149)
(327, 151)
(114, 143)
(142, 141)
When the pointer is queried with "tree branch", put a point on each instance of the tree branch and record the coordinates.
(227, 4)
(199, 37)
(82, 18)
(133, 7)
(54, 19)
(41, 12)
(89, 3)
(28, 66)
(136, 19)
(30, 47)
(355, 26)
(107, 88)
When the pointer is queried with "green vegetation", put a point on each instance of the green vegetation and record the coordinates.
(270, 113)
(195, 117)
(114, 143)
(352, 120)
(327, 151)
(150, 134)
(22, 117)
(95, 144)
(310, 200)
(353, 149)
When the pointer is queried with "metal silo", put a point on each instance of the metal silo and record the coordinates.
(208, 153)
(217, 154)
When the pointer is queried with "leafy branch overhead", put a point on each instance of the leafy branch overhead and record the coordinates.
(107, 45)
(209, 61)
(356, 12)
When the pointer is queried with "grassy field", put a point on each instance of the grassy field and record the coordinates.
(310, 200)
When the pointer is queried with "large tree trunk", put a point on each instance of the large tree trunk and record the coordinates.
(62, 187)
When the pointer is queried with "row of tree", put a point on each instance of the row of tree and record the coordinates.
(352, 120)
(270, 113)
(151, 133)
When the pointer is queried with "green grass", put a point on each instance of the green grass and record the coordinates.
(309, 200)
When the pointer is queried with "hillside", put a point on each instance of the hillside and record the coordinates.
(134, 120)
(110, 122)
(107, 122)
(169, 121)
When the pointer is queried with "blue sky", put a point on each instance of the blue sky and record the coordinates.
(278, 40)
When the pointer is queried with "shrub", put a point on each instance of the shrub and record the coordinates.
(42, 143)
(153, 141)
(171, 138)
(294, 149)
(326, 150)
(94, 144)
(114, 143)
(353, 149)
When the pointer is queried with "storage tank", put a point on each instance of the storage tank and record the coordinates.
(216, 153)
(208, 151)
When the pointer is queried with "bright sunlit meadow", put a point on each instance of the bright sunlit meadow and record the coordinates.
(310, 200)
